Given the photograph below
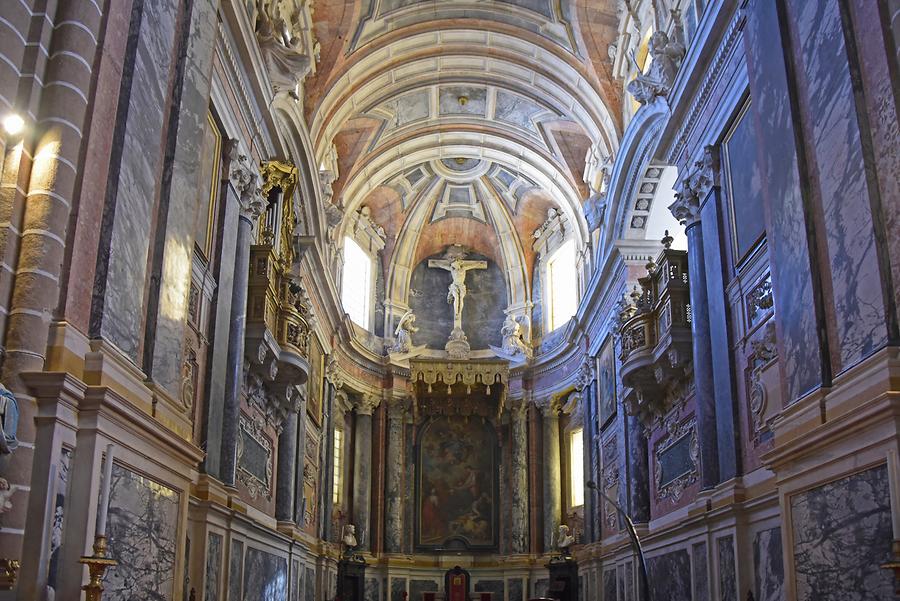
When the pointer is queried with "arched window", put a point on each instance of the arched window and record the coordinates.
(356, 289)
(562, 286)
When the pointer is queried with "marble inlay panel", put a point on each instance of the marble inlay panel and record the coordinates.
(727, 577)
(142, 523)
(309, 582)
(451, 100)
(516, 592)
(235, 570)
(495, 587)
(398, 587)
(842, 533)
(609, 585)
(372, 591)
(768, 565)
(265, 576)
(417, 587)
(670, 576)
(61, 489)
(700, 578)
(837, 157)
(629, 581)
(540, 587)
(213, 567)
(297, 581)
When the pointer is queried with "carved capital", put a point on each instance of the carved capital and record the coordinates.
(333, 374)
(246, 181)
(706, 173)
(686, 208)
(549, 407)
(367, 403)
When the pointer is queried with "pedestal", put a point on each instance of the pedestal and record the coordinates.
(351, 583)
(563, 579)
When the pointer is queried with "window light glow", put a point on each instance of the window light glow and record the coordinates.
(562, 285)
(356, 290)
(338, 485)
(576, 467)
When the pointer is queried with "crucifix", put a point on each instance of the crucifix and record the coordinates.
(454, 262)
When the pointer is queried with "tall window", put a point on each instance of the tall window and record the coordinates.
(356, 290)
(562, 285)
(337, 496)
(576, 467)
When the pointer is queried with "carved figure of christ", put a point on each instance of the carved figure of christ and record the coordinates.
(457, 292)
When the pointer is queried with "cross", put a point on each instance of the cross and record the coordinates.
(454, 262)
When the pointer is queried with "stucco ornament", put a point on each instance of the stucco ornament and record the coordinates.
(9, 421)
(658, 79)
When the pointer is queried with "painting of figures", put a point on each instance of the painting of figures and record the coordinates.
(457, 484)
(606, 393)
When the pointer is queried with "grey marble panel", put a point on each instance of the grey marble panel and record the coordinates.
(582, 593)
(398, 587)
(296, 580)
(516, 591)
(372, 592)
(670, 576)
(213, 567)
(540, 587)
(417, 587)
(700, 577)
(517, 110)
(620, 582)
(629, 581)
(118, 307)
(788, 248)
(309, 582)
(143, 522)
(609, 585)
(842, 533)
(265, 576)
(727, 576)
(837, 151)
(235, 570)
(768, 565)
(494, 587)
(450, 104)
(407, 109)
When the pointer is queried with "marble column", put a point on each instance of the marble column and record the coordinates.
(362, 468)
(393, 531)
(286, 483)
(245, 178)
(300, 464)
(519, 478)
(686, 209)
(552, 483)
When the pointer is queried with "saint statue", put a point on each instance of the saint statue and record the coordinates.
(660, 76)
(403, 334)
(455, 263)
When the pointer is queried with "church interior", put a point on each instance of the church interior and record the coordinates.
(449, 300)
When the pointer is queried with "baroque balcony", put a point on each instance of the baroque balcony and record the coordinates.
(655, 336)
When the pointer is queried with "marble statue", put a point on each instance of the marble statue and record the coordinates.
(660, 76)
(564, 539)
(514, 345)
(287, 60)
(9, 421)
(349, 539)
(403, 334)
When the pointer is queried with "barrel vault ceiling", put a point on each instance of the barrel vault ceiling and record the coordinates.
(463, 121)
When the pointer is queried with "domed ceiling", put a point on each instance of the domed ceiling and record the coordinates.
(463, 122)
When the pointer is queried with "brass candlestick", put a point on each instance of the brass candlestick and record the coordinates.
(97, 564)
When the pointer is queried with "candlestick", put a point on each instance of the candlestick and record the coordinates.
(104, 492)
(97, 565)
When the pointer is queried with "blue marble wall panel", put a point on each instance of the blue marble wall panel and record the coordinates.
(768, 565)
(235, 570)
(417, 587)
(494, 587)
(265, 576)
(516, 591)
(483, 314)
(117, 312)
(296, 580)
(582, 593)
(620, 582)
(609, 585)
(398, 587)
(213, 567)
(699, 575)
(836, 157)
(629, 581)
(372, 592)
(785, 216)
(842, 533)
(727, 575)
(540, 587)
(143, 522)
(670, 576)
(309, 583)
